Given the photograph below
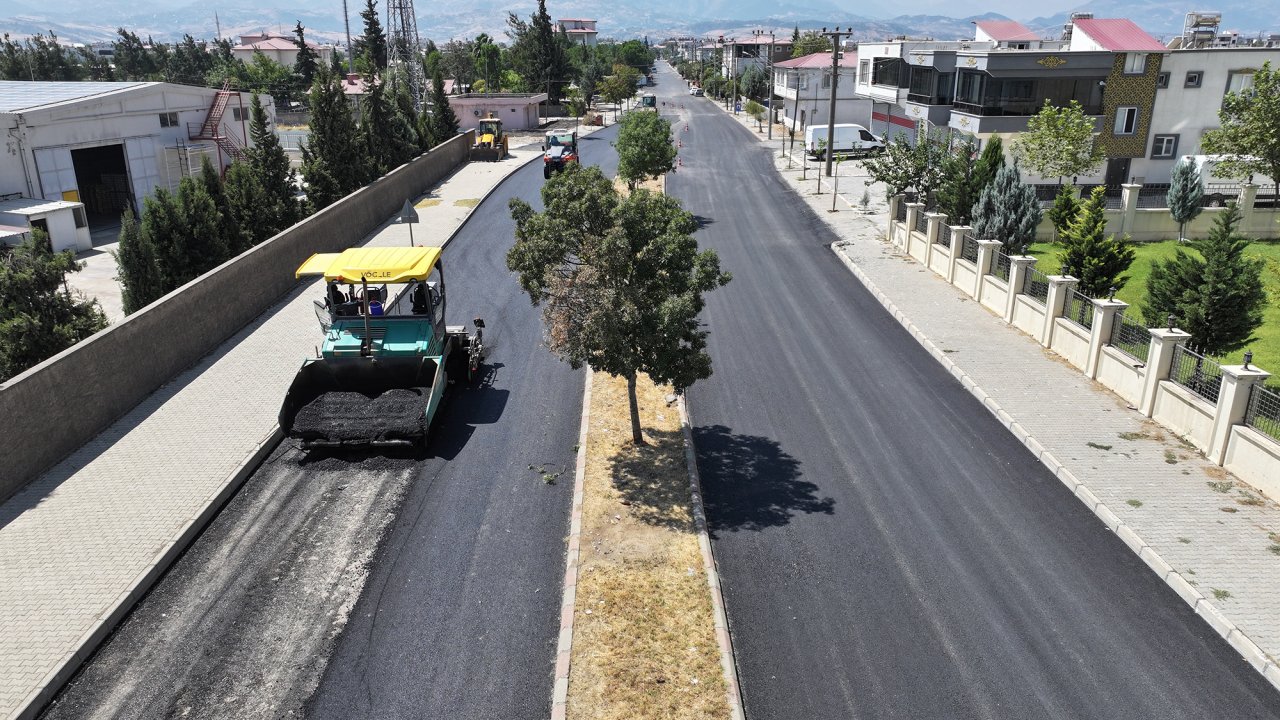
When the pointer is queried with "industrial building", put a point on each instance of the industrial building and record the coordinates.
(104, 146)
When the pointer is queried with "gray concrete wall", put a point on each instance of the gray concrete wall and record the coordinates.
(55, 407)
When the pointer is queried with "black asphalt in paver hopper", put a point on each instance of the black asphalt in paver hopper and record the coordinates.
(352, 402)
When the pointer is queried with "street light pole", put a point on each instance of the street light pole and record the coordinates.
(835, 36)
(758, 34)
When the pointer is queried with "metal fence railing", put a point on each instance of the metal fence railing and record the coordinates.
(922, 222)
(1219, 194)
(1046, 193)
(1196, 373)
(944, 235)
(1000, 268)
(1114, 195)
(1036, 285)
(901, 213)
(1078, 308)
(1154, 195)
(1263, 414)
(969, 248)
(1131, 337)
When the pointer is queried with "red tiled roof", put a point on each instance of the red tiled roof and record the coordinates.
(1006, 30)
(1119, 35)
(819, 60)
(270, 42)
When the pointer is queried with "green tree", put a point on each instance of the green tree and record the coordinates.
(1058, 142)
(1185, 195)
(755, 82)
(620, 281)
(644, 147)
(959, 187)
(387, 135)
(1064, 211)
(333, 159)
(444, 124)
(273, 175)
(304, 66)
(245, 201)
(374, 40)
(138, 266)
(907, 167)
(1097, 261)
(133, 60)
(1007, 211)
(224, 220)
(538, 54)
(39, 317)
(989, 163)
(202, 245)
(191, 61)
(809, 43)
(1250, 133)
(755, 111)
(488, 62)
(1217, 297)
(458, 60)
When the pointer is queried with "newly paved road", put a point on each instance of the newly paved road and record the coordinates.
(886, 548)
(402, 587)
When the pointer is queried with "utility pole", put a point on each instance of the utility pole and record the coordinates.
(835, 36)
(758, 34)
(795, 120)
(346, 21)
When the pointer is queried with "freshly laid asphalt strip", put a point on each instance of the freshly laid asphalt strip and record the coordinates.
(379, 585)
(348, 416)
(887, 549)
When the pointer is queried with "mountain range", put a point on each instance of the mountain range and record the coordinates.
(97, 20)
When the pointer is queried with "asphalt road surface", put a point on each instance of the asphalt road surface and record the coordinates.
(390, 587)
(887, 549)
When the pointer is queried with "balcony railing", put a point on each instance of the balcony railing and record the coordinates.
(1013, 108)
(925, 99)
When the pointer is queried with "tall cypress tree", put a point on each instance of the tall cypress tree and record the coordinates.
(444, 124)
(275, 176)
(1185, 195)
(374, 39)
(203, 245)
(1064, 211)
(245, 200)
(162, 230)
(304, 66)
(136, 262)
(228, 231)
(989, 163)
(333, 160)
(960, 184)
(1217, 297)
(1095, 259)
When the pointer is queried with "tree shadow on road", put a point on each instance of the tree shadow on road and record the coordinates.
(750, 483)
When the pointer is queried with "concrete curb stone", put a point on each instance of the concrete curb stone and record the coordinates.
(568, 600)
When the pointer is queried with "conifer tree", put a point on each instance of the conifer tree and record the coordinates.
(39, 317)
(989, 163)
(333, 160)
(139, 271)
(229, 233)
(1185, 195)
(279, 207)
(1064, 210)
(1097, 261)
(203, 245)
(959, 188)
(245, 199)
(444, 124)
(1007, 211)
(304, 66)
(374, 40)
(1217, 297)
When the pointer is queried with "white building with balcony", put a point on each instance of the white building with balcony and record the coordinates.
(579, 31)
(804, 84)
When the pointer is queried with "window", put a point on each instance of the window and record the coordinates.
(1126, 120)
(1239, 81)
(864, 71)
(1164, 146)
(78, 213)
(826, 81)
(1193, 78)
(238, 114)
(169, 119)
(1135, 63)
(1162, 80)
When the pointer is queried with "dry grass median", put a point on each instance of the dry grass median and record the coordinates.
(644, 644)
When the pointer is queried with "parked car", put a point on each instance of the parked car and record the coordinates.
(697, 92)
(850, 138)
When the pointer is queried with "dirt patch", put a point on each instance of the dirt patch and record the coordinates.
(467, 202)
(429, 202)
(644, 641)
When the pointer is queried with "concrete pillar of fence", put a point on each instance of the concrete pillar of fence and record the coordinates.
(913, 209)
(893, 216)
(1128, 207)
(958, 234)
(1248, 196)
(1060, 288)
(1019, 266)
(1233, 401)
(1159, 362)
(1104, 319)
(988, 251)
(931, 231)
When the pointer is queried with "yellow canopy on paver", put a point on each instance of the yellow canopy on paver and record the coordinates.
(375, 264)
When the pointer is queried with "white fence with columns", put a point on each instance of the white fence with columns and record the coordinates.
(1093, 336)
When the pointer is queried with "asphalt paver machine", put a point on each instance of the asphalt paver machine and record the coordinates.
(387, 355)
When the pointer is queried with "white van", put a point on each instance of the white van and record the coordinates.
(851, 138)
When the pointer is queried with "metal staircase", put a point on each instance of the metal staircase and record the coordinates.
(210, 129)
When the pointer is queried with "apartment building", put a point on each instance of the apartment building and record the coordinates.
(738, 54)
(804, 84)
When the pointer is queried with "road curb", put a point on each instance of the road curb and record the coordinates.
(1201, 605)
(569, 592)
(723, 637)
(107, 622)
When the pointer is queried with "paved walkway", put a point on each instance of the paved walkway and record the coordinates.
(1216, 533)
(85, 541)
